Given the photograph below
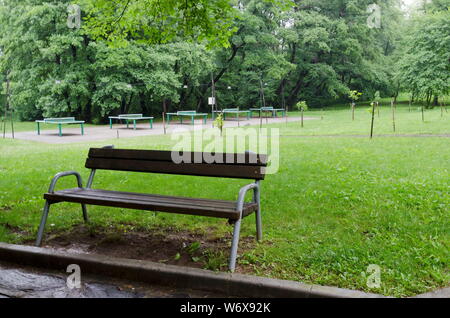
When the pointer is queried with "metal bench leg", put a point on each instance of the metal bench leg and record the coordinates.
(257, 199)
(60, 130)
(85, 214)
(234, 245)
(38, 129)
(43, 222)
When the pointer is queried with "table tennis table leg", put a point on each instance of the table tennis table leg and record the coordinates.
(168, 119)
(82, 129)
(205, 119)
(127, 123)
(110, 123)
(151, 123)
(134, 124)
(60, 130)
(192, 120)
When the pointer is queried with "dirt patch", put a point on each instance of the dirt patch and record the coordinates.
(168, 246)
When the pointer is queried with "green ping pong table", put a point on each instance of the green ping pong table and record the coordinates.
(187, 113)
(130, 118)
(60, 121)
(233, 111)
(272, 110)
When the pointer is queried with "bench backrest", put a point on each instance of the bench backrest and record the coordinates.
(131, 115)
(239, 166)
(187, 112)
(59, 119)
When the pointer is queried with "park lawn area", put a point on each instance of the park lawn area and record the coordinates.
(338, 121)
(335, 206)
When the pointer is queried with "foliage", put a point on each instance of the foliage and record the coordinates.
(354, 95)
(218, 122)
(423, 67)
(302, 106)
(157, 21)
(259, 53)
(57, 71)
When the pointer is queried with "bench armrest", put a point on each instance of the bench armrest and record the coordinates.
(64, 174)
(242, 193)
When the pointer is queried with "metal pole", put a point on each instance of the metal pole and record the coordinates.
(6, 111)
(283, 103)
(9, 105)
(213, 93)
(263, 102)
(164, 115)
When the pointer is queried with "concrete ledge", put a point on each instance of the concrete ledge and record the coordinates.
(168, 275)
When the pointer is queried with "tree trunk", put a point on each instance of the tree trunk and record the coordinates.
(373, 119)
(393, 114)
(302, 117)
(436, 100)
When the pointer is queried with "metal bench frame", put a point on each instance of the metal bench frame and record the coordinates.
(256, 198)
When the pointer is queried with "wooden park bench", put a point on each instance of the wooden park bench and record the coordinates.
(239, 166)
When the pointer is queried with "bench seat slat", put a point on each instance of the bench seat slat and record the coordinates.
(153, 197)
(181, 205)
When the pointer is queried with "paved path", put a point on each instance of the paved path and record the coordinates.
(72, 135)
(31, 283)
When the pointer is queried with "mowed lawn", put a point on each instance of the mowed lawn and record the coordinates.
(336, 205)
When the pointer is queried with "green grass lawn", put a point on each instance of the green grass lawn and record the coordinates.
(339, 121)
(336, 205)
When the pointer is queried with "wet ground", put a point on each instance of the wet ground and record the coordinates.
(72, 133)
(171, 247)
(26, 282)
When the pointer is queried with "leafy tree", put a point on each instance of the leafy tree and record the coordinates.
(424, 67)
(132, 56)
(354, 96)
(162, 21)
(302, 106)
